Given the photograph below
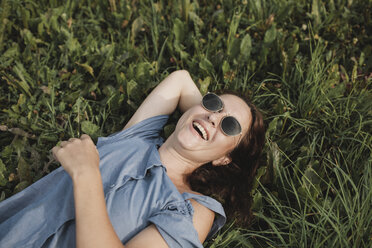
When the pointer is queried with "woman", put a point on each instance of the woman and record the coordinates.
(136, 190)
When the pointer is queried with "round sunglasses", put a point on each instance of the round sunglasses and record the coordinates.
(229, 124)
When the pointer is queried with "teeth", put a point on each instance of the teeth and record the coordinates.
(201, 129)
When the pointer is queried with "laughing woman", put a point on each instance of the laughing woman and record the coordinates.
(135, 190)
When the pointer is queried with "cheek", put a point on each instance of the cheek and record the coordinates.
(185, 138)
(225, 144)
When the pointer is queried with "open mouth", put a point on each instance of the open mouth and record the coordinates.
(200, 129)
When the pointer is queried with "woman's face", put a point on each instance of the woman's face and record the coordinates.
(213, 144)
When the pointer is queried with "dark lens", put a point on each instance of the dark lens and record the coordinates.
(230, 126)
(212, 102)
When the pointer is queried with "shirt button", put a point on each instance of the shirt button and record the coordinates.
(173, 208)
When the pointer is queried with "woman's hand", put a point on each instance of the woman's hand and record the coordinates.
(77, 156)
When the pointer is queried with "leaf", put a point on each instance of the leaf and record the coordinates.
(136, 27)
(3, 180)
(6, 152)
(233, 28)
(49, 137)
(109, 90)
(196, 19)
(21, 100)
(54, 23)
(293, 51)
(160, 57)
(18, 145)
(89, 128)
(24, 76)
(272, 126)
(204, 85)
(185, 8)
(76, 108)
(257, 202)
(270, 35)
(315, 12)
(206, 65)
(12, 52)
(184, 55)
(25, 17)
(310, 177)
(142, 71)
(131, 85)
(179, 31)
(40, 28)
(7, 61)
(361, 58)
(21, 186)
(310, 185)
(168, 130)
(225, 67)
(87, 68)
(275, 159)
(29, 38)
(72, 44)
(260, 172)
(2, 197)
(246, 47)
(234, 48)
(258, 10)
(23, 170)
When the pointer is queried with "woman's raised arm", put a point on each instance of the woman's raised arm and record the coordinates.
(176, 90)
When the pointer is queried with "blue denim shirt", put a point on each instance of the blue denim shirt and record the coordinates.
(137, 190)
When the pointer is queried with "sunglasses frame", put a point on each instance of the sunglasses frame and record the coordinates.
(223, 105)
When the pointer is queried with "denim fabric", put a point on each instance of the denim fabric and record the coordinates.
(137, 190)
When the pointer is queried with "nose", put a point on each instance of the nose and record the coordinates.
(215, 118)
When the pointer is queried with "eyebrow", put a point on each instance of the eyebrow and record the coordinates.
(251, 109)
(229, 114)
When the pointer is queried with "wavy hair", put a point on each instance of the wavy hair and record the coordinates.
(231, 184)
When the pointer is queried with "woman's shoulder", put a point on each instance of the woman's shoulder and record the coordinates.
(204, 200)
(203, 219)
(208, 213)
(148, 129)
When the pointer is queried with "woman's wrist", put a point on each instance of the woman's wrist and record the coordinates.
(93, 226)
(86, 175)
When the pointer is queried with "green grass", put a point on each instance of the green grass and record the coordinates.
(73, 67)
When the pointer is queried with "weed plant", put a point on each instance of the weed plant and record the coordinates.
(73, 67)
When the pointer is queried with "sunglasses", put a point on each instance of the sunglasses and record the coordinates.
(229, 124)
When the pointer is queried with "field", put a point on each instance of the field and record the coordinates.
(73, 67)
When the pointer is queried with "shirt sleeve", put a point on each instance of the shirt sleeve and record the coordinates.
(215, 206)
(176, 228)
(149, 129)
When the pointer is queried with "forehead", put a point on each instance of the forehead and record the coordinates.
(237, 107)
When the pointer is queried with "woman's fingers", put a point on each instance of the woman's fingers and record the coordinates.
(85, 136)
(63, 143)
(54, 151)
(76, 155)
(72, 139)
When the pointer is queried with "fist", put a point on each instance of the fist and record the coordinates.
(77, 155)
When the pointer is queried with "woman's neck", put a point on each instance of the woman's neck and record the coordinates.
(178, 167)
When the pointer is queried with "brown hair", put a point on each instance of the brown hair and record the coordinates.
(231, 184)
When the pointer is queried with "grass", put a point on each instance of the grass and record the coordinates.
(73, 67)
